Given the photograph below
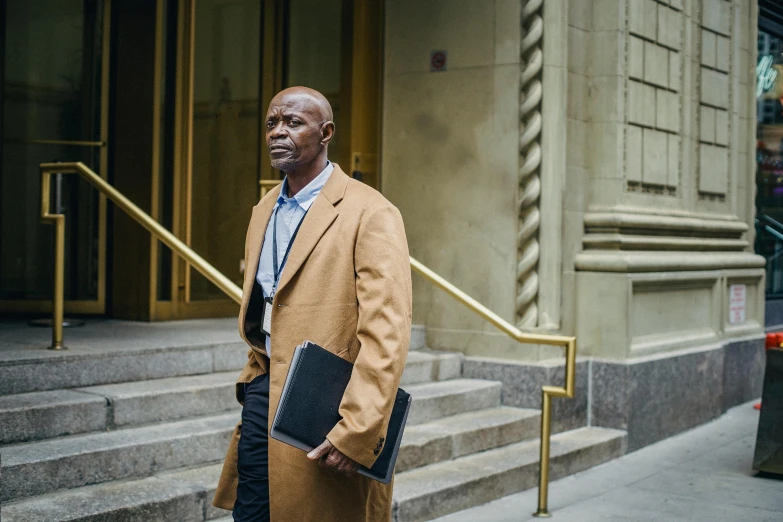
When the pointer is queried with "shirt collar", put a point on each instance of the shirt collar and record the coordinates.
(305, 197)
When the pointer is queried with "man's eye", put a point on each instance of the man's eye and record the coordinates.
(295, 122)
(270, 124)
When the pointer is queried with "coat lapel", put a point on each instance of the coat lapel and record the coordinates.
(317, 221)
(259, 222)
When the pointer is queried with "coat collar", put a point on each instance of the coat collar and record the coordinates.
(318, 219)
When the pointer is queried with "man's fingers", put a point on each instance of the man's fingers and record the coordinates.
(333, 459)
(320, 451)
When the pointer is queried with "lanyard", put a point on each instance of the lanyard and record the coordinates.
(279, 269)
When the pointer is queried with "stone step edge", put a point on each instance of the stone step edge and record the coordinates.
(463, 434)
(160, 495)
(420, 368)
(163, 490)
(31, 458)
(50, 356)
(418, 491)
(86, 459)
(125, 430)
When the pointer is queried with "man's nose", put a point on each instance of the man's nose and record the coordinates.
(278, 131)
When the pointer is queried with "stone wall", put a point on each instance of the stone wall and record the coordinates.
(624, 132)
(667, 174)
(603, 187)
(450, 156)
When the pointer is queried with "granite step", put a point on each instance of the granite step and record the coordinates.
(47, 414)
(425, 366)
(37, 468)
(140, 500)
(41, 370)
(435, 400)
(109, 351)
(421, 494)
(439, 489)
(466, 433)
(163, 400)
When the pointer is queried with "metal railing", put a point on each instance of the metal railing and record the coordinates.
(141, 217)
(547, 392)
(235, 293)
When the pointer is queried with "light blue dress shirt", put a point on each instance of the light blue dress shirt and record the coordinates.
(290, 211)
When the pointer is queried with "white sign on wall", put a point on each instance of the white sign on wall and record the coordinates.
(737, 303)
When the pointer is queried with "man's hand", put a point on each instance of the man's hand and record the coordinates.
(333, 458)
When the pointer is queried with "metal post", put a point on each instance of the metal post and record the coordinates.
(59, 284)
(543, 472)
(59, 267)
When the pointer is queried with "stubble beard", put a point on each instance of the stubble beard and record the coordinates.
(284, 164)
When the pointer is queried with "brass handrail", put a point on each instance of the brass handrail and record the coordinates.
(235, 293)
(547, 392)
(141, 217)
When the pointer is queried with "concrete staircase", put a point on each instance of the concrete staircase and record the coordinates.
(139, 435)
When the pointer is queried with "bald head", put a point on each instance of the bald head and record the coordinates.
(308, 96)
(299, 128)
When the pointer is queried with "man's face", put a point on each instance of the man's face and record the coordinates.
(294, 131)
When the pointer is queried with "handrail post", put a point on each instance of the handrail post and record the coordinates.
(543, 472)
(58, 220)
(59, 284)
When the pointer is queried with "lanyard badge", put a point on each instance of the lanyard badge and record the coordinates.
(266, 311)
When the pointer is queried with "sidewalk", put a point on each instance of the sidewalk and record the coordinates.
(701, 475)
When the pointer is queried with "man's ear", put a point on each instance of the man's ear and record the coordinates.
(327, 132)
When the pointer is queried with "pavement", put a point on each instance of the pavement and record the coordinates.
(704, 474)
(19, 342)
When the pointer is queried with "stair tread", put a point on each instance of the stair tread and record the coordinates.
(195, 485)
(102, 499)
(166, 385)
(206, 477)
(464, 422)
(144, 387)
(420, 356)
(443, 388)
(52, 449)
(422, 481)
(45, 399)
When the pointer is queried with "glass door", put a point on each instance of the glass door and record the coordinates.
(234, 56)
(54, 108)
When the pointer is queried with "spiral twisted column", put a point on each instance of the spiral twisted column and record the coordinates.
(529, 170)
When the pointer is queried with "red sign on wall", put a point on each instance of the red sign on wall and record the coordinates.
(437, 61)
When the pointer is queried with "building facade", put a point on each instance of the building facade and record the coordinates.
(585, 167)
(590, 171)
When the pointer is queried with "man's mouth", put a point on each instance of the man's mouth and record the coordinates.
(279, 149)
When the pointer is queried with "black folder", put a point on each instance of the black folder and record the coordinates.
(310, 402)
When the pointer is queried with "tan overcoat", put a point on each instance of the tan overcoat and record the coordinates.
(347, 287)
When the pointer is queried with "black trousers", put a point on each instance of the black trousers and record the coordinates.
(252, 504)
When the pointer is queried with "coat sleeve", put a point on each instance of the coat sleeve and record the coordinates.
(383, 292)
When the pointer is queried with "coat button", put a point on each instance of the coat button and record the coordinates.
(376, 451)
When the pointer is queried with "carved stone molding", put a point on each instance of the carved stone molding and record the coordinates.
(529, 171)
(656, 232)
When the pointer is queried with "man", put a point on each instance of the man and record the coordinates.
(327, 261)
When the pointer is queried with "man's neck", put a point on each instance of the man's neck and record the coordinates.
(299, 179)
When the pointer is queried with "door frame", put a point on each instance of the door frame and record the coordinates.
(78, 306)
(362, 48)
(181, 305)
